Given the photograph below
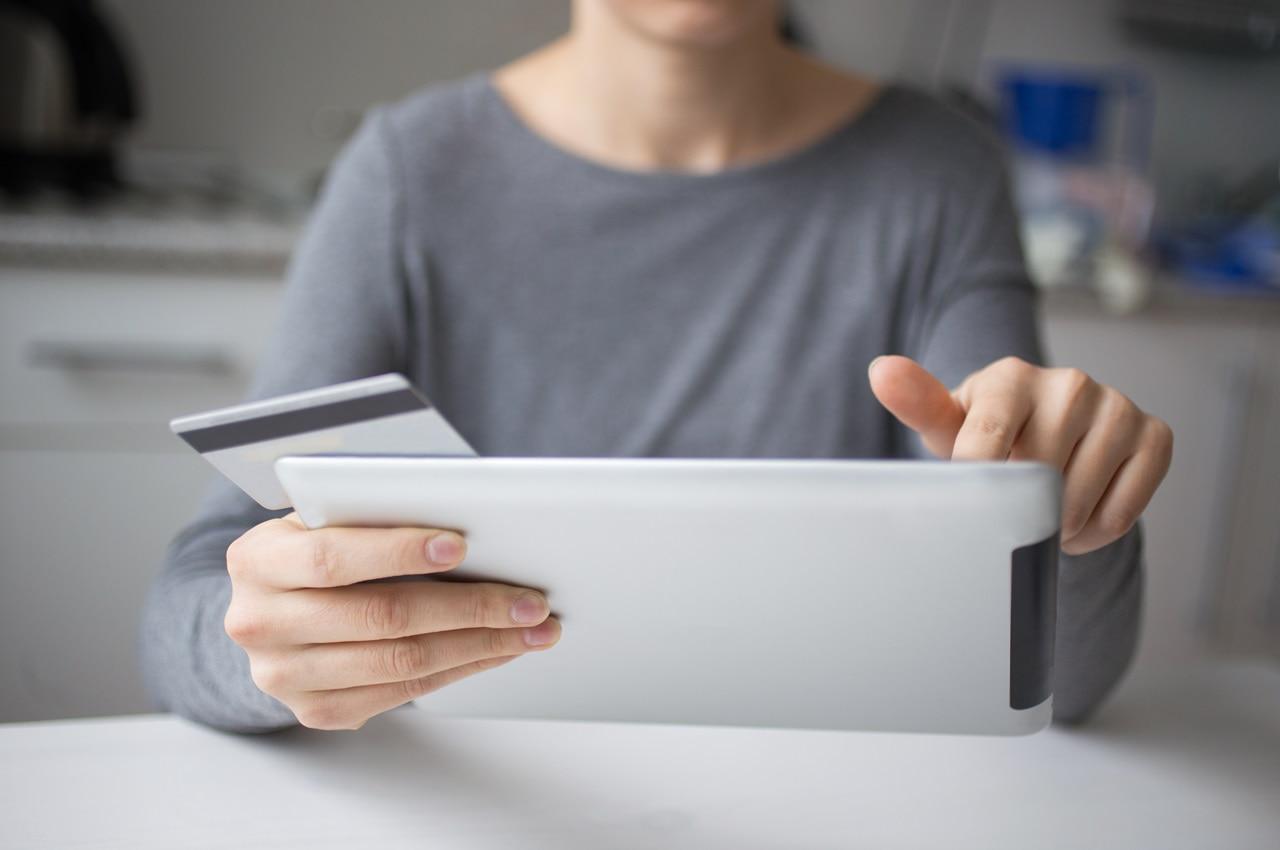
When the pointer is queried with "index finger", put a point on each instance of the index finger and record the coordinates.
(918, 400)
(336, 557)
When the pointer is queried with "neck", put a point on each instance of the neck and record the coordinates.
(621, 98)
(656, 105)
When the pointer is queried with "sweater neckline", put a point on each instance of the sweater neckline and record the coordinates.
(780, 165)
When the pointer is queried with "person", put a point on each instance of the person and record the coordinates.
(668, 233)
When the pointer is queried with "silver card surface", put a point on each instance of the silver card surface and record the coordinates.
(385, 415)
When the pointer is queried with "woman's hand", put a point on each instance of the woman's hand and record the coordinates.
(1112, 455)
(337, 652)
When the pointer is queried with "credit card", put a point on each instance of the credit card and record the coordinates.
(385, 415)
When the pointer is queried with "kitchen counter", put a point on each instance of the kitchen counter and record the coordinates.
(246, 238)
(1171, 298)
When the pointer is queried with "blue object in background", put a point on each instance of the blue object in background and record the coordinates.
(1066, 113)
(1224, 255)
(1054, 113)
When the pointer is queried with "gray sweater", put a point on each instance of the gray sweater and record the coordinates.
(553, 306)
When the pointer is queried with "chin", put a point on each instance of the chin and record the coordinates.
(696, 23)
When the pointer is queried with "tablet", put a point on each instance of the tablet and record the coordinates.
(876, 595)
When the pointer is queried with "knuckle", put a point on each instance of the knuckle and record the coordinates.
(1075, 386)
(1014, 367)
(483, 604)
(411, 689)
(322, 560)
(1116, 523)
(243, 626)
(1161, 435)
(240, 558)
(409, 549)
(992, 428)
(1073, 521)
(271, 677)
(408, 659)
(244, 553)
(322, 714)
(385, 614)
(1118, 410)
(1073, 376)
(497, 643)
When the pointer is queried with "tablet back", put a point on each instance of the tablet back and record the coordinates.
(885, 595)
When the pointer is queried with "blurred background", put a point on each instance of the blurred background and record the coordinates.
(158, 159)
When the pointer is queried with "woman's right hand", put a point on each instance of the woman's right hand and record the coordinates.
(338, 652)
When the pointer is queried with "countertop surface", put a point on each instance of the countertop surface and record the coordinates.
(1185, 759)
(184, 233)
(1171, 298)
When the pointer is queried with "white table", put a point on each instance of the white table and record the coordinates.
(1183, 760)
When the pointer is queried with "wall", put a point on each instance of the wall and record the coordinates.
(273, 83)
(1216, 117)
(276, 83)
(269, 81)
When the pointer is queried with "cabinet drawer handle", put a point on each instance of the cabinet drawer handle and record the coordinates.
(178, 358)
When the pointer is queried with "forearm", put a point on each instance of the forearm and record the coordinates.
(191, 667)
(1099, 615)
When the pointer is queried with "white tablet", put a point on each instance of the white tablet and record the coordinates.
(886, 595)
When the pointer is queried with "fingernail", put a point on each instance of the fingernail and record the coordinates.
(445, 549)
(873, 363)
(529, 609)
(543, 634)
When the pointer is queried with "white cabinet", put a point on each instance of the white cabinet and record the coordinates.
(1246, 604)
(92, 484)
(80, 349)
(81, 535)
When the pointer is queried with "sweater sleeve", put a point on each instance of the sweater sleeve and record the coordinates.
(340, 319)
(982, 307)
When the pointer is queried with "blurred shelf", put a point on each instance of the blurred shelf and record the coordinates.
(203, 240)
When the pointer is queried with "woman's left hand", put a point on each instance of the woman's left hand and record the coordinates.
(1111, 454)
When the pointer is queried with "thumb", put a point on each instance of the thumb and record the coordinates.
(918, 400)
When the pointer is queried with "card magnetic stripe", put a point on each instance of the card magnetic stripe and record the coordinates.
(274, 426)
